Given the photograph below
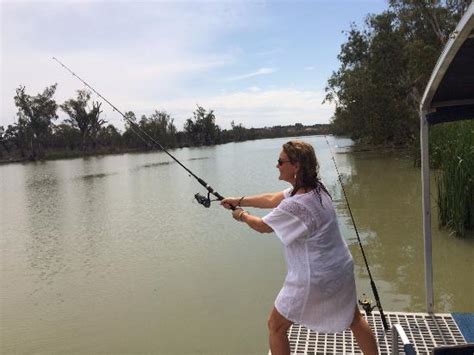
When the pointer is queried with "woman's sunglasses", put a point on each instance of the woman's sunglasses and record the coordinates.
(281, 162)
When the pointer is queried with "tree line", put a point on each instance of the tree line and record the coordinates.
(36, 134)
(385, 66)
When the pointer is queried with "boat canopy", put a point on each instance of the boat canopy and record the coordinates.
(449, 95)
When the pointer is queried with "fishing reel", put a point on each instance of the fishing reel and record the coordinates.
(368, 308)
(206, 201)
(203, 200)
(367, 305)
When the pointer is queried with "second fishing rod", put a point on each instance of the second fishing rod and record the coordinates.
(365, 303)
(147, 139)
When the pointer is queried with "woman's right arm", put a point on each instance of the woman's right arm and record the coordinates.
(268, 200)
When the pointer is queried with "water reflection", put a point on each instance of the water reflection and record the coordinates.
(161, 163)
(95, 176)
(45, 249)
(155, 164)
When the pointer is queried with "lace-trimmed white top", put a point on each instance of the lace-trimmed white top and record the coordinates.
(319, 290)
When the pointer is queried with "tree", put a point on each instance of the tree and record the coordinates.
(238, 132)
(66, 136)
(3, 142)
(433, 20)
(385, 67)
(348, 87)
(87, 121)
(130, 136)
(109, 136)
(202, 129)
(35, 114)
(160, 126)
(13, 140)
(426, 27)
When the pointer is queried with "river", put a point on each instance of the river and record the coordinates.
(112, 254)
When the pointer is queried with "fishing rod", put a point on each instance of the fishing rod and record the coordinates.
(365, 303)
(143, 135)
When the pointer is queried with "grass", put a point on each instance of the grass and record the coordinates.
(452, 152)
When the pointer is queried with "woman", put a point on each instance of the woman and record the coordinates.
(319, 290)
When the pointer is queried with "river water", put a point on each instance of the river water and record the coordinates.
(111, 254)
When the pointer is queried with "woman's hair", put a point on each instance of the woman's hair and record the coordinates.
(308, 175)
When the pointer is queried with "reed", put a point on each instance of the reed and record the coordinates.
(452, 151)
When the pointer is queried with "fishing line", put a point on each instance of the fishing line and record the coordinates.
(143, 135)
(365, 304)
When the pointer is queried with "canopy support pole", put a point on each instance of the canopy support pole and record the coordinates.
(426, 205)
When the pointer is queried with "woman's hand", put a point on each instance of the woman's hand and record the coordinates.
(230, 202)
(238, 214)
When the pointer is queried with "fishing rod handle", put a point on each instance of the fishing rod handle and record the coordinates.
(218, 195)
(379, 305)
(220, 198)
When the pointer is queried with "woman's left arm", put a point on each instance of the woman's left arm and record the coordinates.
(253, 222)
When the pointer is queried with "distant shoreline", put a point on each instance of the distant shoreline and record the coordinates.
(247, 134)
(74, 154)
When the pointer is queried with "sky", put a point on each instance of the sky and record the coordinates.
(256, 63)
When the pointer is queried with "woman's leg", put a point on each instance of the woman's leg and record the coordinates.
(363, 334)
(278, 327)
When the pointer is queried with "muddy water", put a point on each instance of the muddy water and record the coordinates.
(111, 254)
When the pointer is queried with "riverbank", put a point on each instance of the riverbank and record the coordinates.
(379, 148)
(179, 140)
(70, 154)
(73, 154)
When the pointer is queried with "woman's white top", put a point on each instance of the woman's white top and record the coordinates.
(319, 290)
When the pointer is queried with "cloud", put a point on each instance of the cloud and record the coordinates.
(261, 71)
(256, 108)
(153, 52)
(158, 57)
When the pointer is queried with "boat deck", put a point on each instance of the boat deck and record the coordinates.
(425, 331)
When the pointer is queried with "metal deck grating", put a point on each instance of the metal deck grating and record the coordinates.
(425, 331)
